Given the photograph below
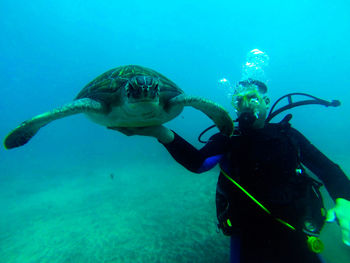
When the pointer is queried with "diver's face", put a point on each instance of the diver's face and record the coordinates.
(252, 102)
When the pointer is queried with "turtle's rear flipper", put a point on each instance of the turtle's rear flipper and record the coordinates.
(27, 129)
(213, 110)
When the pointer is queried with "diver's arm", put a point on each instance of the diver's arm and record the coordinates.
(164, 135)
(195, 160)
(335, 180)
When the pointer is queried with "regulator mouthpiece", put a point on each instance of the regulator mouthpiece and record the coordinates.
(246, 121)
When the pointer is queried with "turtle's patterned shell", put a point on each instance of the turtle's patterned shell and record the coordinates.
(106, 86)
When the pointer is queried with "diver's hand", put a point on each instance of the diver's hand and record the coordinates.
(163, 134)
(341, 211)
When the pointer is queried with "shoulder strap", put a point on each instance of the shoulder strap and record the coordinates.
(284, 123)
(284, 127)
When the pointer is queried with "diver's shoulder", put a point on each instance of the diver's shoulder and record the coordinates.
(285, 129)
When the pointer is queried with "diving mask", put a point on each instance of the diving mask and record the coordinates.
(250, 103)
(247, 99)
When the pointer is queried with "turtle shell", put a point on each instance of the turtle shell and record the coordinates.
(107, 87)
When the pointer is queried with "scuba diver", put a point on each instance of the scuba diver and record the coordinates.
(266, 202)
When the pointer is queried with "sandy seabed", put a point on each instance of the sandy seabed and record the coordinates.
(144, 213)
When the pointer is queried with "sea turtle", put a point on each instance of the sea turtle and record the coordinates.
(126, 96)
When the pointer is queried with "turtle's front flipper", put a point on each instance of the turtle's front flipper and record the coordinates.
(213, 110)
(27, 129)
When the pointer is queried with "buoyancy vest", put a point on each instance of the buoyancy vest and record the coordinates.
(267, 164)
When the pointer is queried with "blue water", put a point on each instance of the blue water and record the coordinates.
(50, 49)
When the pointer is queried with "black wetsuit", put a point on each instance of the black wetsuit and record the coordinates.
(264, 162)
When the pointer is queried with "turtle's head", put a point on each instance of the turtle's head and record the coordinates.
(142, 89)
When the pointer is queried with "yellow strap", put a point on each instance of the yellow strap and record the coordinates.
(255, 201)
